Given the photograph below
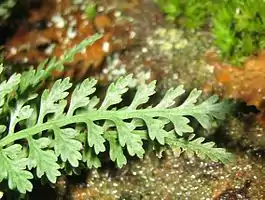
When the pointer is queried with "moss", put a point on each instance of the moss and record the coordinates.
(237, 25)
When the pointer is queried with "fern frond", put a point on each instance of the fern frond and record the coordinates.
(32, 78)
(55, 134)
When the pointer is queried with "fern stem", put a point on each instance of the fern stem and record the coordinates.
(93, 116)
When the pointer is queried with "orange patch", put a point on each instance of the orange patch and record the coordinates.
(245, 83)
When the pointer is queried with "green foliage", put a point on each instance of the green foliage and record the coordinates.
(5, 8)
(91, 11)
(45, 134)
(189, 14)
(237, 25)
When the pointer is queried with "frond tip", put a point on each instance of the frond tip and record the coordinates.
(79, 132)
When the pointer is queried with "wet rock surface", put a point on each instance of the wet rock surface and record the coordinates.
(176, 178)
